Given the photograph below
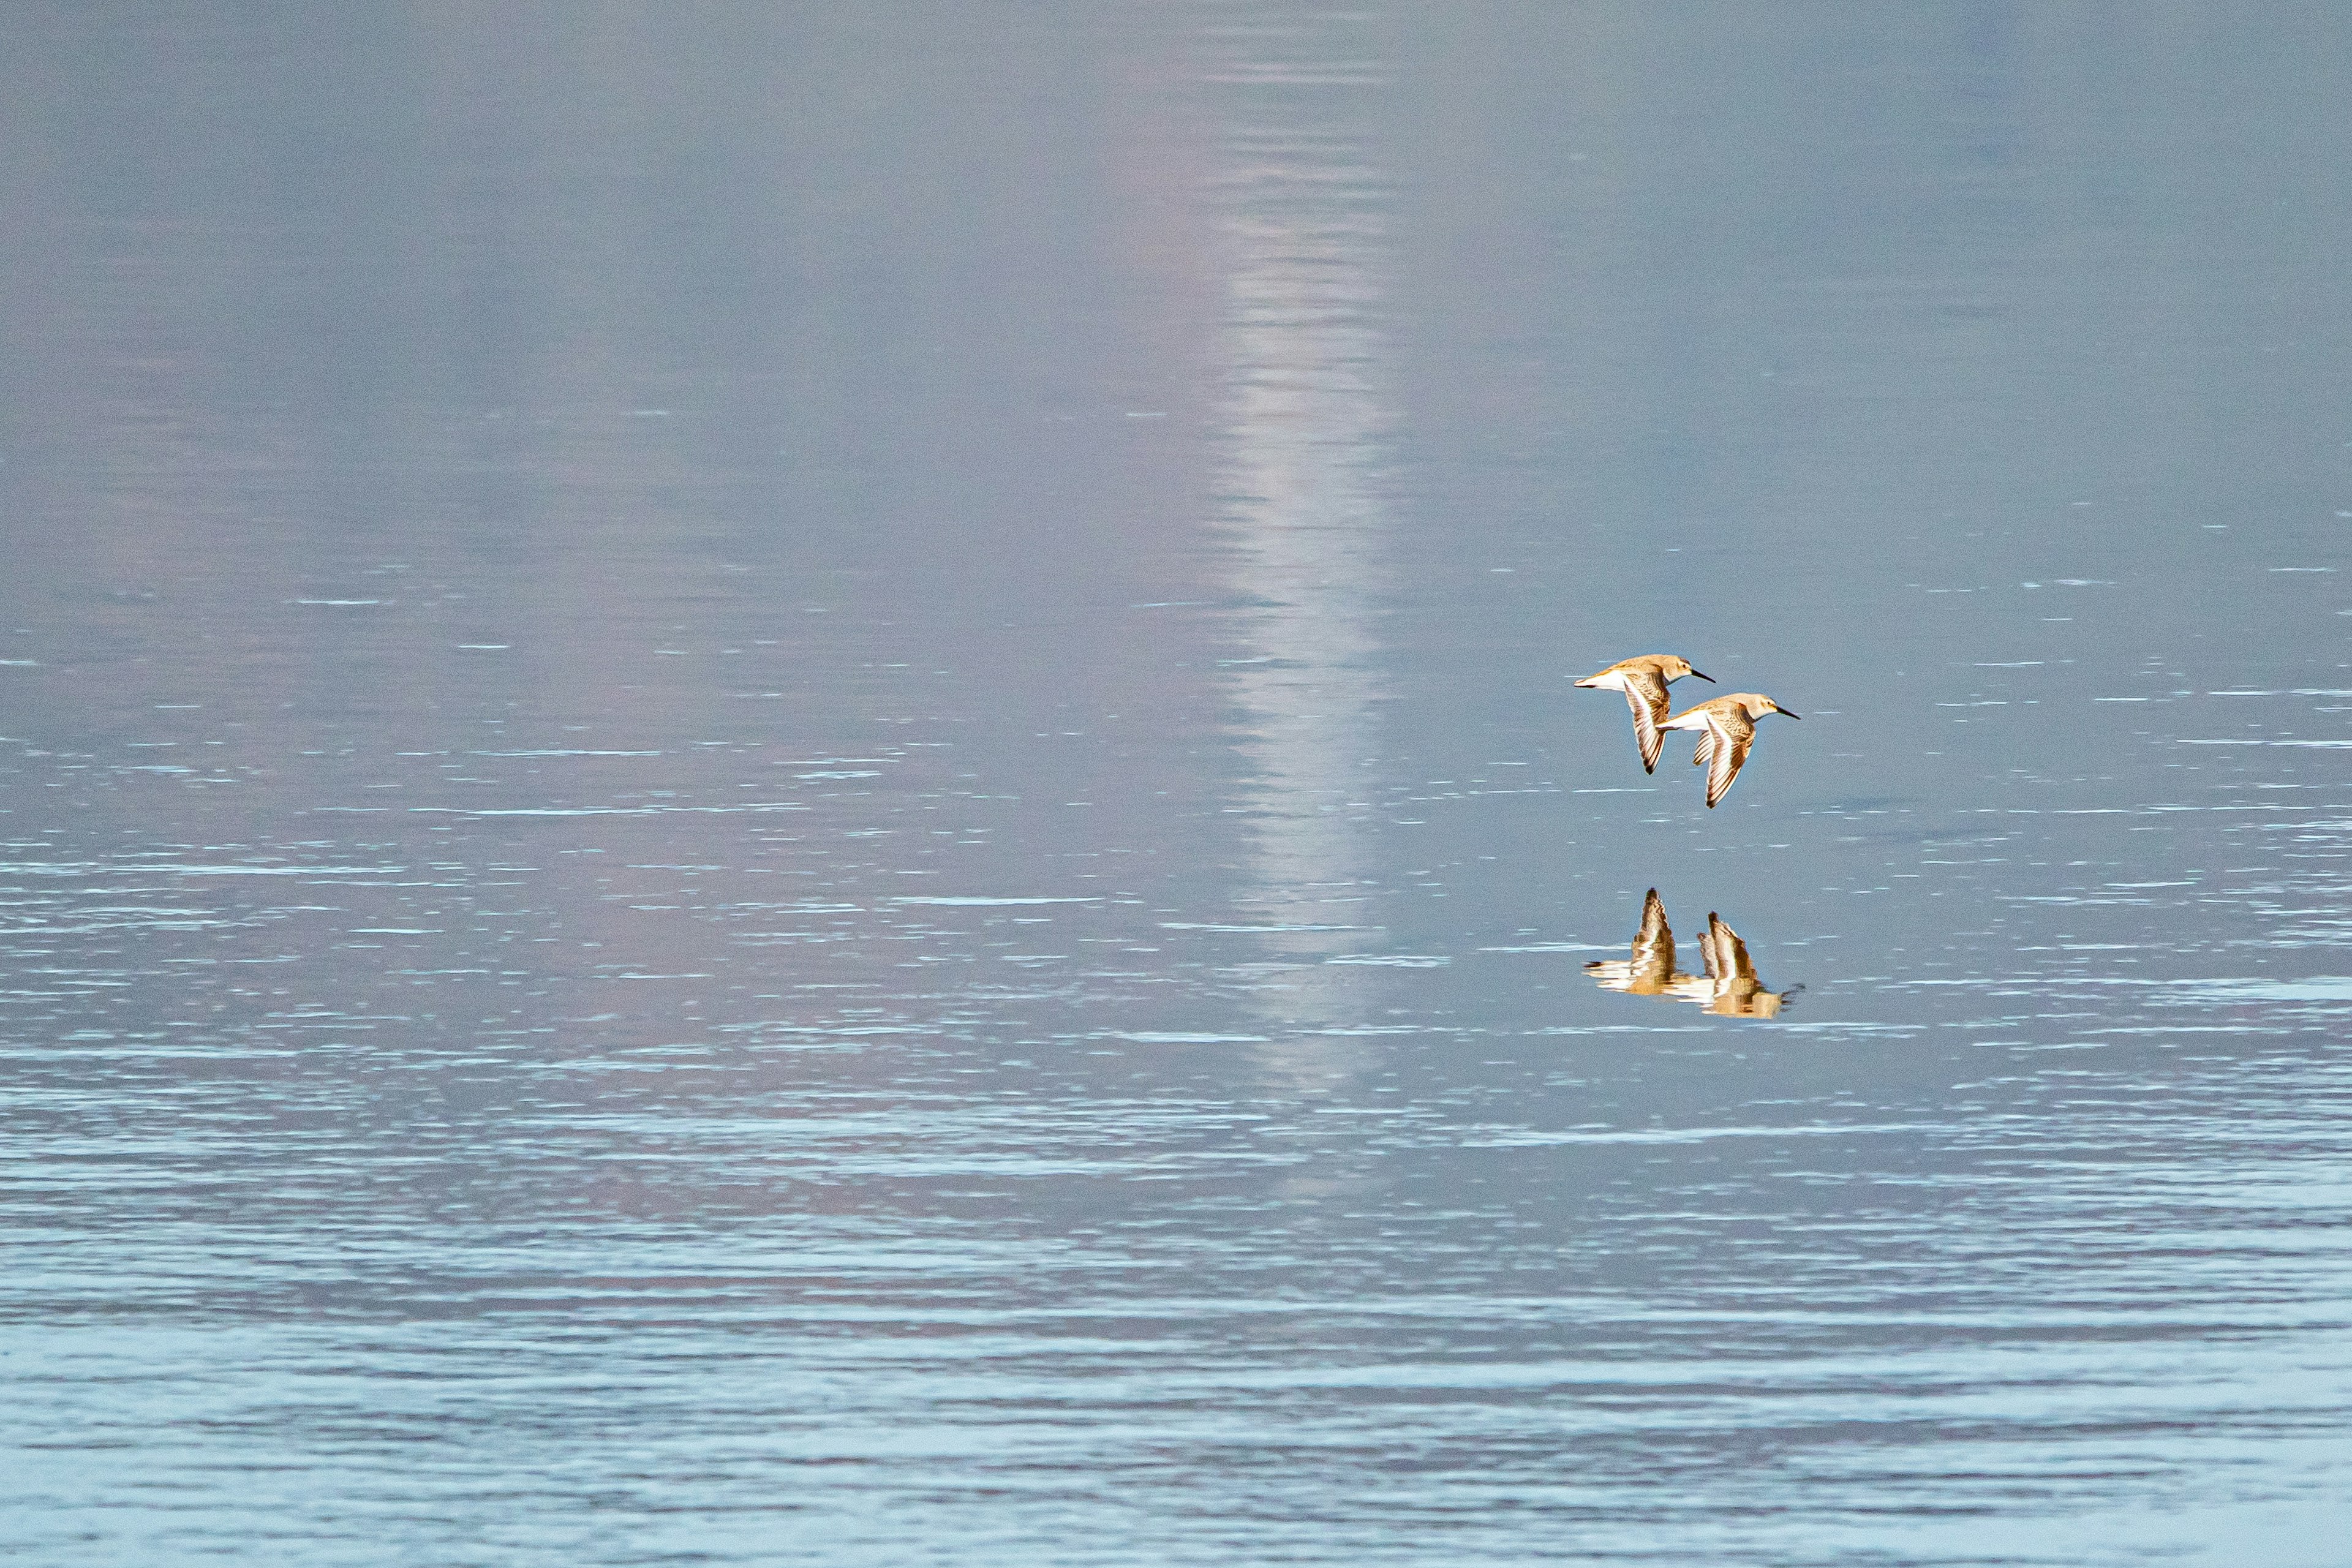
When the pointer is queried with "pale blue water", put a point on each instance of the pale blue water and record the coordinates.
(799, 785)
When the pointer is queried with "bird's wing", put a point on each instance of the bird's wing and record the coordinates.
(1732, 736)
(1646, 693)
(1705, 752)
(1653, 944)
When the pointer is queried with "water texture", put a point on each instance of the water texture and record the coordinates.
(798, 784)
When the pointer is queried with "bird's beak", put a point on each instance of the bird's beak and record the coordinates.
(1704, 676)
(1786, 714)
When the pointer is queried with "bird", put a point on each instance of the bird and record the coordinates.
(1727, 729)
(1644, 680)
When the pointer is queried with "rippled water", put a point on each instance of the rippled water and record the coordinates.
(799, 785)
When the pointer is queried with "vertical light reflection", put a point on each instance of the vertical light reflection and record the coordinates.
(1302, 211)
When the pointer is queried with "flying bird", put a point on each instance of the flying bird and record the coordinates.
(1726, 727)
(1644, 680)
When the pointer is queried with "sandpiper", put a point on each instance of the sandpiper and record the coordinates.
(1644, 680)
(1727, 729)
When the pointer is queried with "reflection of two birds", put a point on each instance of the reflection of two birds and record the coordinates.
(1729, 986)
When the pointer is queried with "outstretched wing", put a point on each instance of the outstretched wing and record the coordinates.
(1705, 752)
(1732, 740)
(1646, 693)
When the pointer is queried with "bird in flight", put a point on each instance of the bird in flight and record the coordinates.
(1726, 727)
(1644, 680)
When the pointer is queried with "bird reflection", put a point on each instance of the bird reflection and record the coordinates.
(1729, 987)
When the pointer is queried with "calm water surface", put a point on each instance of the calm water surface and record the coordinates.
(797, 785)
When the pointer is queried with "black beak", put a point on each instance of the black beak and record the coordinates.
(1704, 676)
(1786, 714)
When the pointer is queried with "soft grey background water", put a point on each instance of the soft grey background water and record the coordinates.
(797, 785)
